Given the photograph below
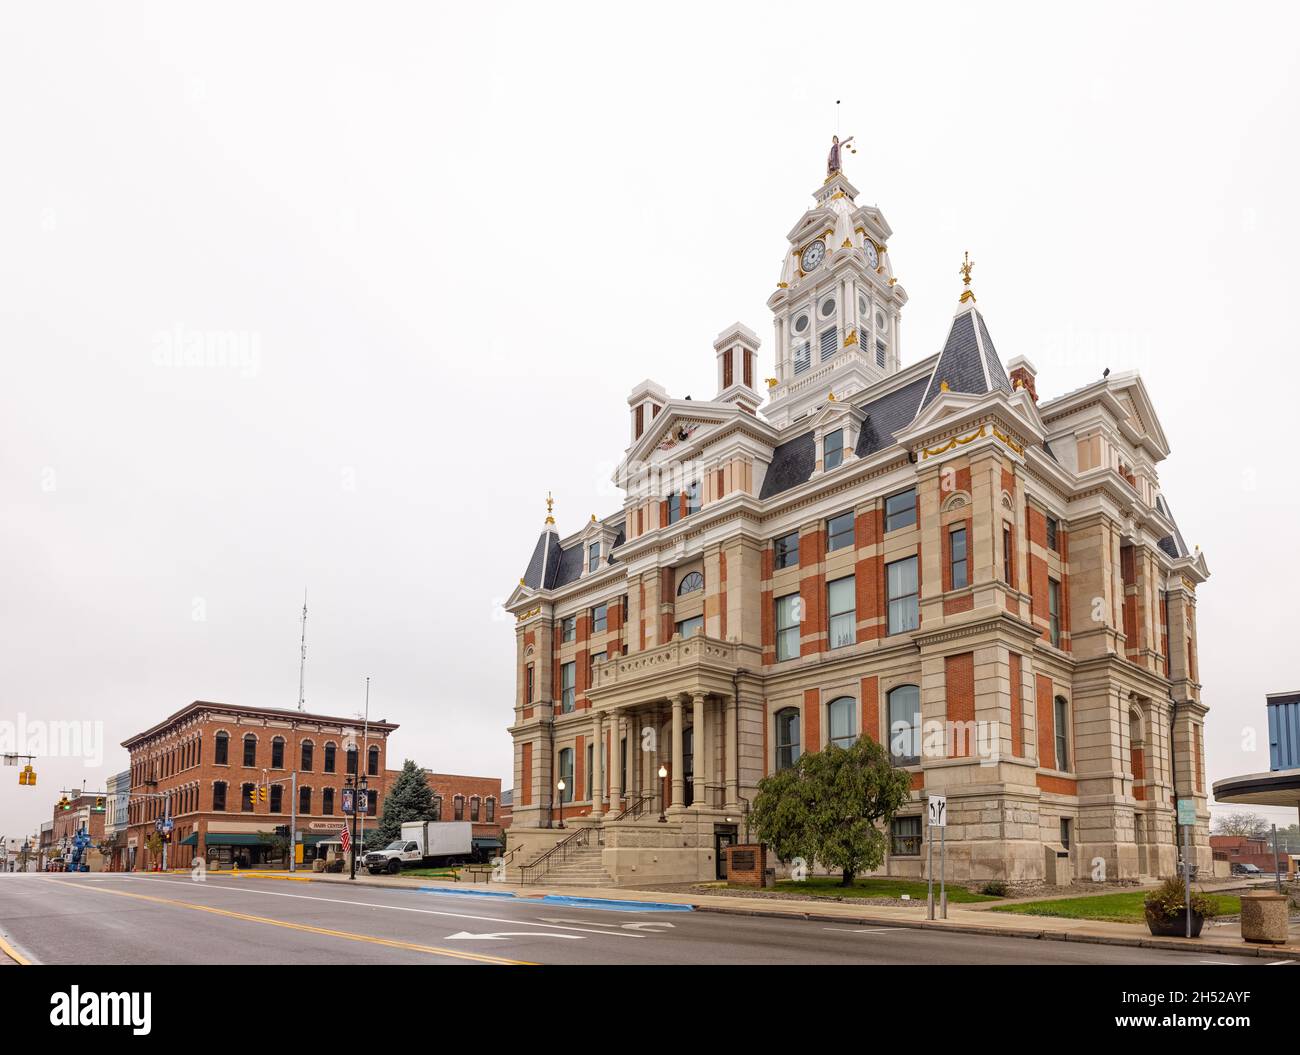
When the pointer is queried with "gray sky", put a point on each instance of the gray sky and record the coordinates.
(448, 241)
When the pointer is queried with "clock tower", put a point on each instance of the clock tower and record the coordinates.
(837, 305)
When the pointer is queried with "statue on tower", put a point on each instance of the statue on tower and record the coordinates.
(833, 159)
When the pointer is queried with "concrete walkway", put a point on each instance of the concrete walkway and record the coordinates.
(1220, 940)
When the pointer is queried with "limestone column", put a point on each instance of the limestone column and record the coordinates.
(616, 765)
(729, 753)
(679, 780)
(597, 763)
(700, 752)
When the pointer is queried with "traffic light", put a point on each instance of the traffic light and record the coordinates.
(99, 804)
(261, 793)
(252, 796)
(27, 776)
(64, 804)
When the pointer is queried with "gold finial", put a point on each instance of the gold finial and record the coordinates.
(593, 518)
(521, 581)
(771, 382)
(830, 397)
(943, 386)
(550, 508)
(965, 269)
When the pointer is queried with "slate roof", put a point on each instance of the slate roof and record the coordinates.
(792, 463)
(1173, 545)
(562, 566)
(968, 362)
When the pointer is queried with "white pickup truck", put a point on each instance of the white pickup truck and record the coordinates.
(424, 842)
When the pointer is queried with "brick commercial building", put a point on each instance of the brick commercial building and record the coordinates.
(206, 757)
(937, 554)
(1243, 849)
(81, 812)
(474, 799)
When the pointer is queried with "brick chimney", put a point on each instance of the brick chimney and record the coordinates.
(1022, 373)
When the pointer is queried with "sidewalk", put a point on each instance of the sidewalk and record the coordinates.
(1222, 940)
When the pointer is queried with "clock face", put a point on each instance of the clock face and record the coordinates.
(869, 247)
(812, 255)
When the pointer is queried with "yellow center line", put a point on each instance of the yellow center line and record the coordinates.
(433, 949)
(14, 954)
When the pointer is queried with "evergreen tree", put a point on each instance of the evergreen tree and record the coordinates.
(409, 799)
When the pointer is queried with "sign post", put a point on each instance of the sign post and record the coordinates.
(938, 818)
(1186, 818)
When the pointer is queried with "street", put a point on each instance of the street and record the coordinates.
(119, 918)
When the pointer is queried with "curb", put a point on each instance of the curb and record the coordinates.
(1174, 944)
(615, 905)
(460, 893)
(12, 953)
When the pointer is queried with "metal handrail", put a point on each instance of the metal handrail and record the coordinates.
(534, 870)
(635, 808)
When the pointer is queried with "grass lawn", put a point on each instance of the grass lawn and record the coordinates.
(825, 886)
(1125, 907)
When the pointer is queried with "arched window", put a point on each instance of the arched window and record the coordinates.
(277, 753)
(437, 807)
(222, 749)
(277, 798)
(219, 796)
(352, 758)
(330, 750)
(491, 809)
(841, 715)
(307, 748)
(1061, 714)
(905, 725)
(372, 761)
(787, 737)
(304, 800)
(458, 807)
(473, 807)
(691, 582)
(327, 802)
(250, 749)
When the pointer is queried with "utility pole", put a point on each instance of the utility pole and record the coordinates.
(293, 821)
(363, 767)
(302, 659)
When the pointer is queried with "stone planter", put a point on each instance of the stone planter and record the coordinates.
(1264, 918)
(1162, 926)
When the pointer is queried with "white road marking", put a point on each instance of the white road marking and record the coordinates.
(370, 904)
(1222, 963)
(863, 930)
(502, 935)
(649, 925)
(1279, 963)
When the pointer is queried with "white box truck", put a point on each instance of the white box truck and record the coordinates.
(424, 843)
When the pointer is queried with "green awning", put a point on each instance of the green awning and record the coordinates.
(486, 843)
(233, 839)
(190, 840)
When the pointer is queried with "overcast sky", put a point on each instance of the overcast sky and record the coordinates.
(449, 238)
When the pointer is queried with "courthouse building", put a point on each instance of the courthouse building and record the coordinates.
(936, 553)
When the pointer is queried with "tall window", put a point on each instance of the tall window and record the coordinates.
(1061, 713)
(473, 807)
(307, 748)
(840, 602)
(880, 354)
(599, 618)
(219, 796)
(900, 510)
(1065, 832)
(905, 837)
(591, 775)
(1006, 554)
(833, 449)
(1054, 611)
(690, 627)
(829, 341)
(786, 551)
(528, 684)
(787, 626)
(277, 753)
(841, 720)
(304, 800)
(674, 507)
(839, 532)
(221, 750)
(372, 761)
(250, 749)
(567, 687)
(568, 628)
(1051, 533)
(691, 582)
(351, 751)
(566, 773)
(692, 497)
(330, 752)
(491, 811)
(277, 798)
(957, 558)
(593, 556)
(458, 807)
(905, 725)
(901, 589)
(437, 807)
(802, 356)
(787, 737)
(327, 802)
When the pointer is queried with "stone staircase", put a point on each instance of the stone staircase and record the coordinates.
(581, 867)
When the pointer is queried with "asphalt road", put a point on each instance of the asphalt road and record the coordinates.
(148, 919)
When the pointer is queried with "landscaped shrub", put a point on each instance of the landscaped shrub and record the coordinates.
(994, 888)
(1167, 900)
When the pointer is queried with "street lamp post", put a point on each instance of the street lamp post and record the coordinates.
(663, 791)
(560, 787)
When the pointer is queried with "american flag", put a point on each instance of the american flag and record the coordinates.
(346, 840)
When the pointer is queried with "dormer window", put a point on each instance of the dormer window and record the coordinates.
(593, 557)
(833, 450)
